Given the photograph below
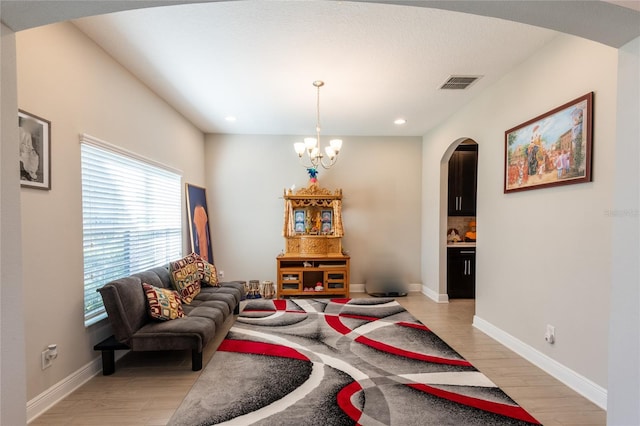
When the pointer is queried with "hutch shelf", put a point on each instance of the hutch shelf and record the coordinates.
(299, 276)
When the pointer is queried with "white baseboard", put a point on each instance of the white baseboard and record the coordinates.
(360, 288)
(415, 287)
(57, 392)
(585, 387)
(436, 297)
(356, 288)
(47, 399)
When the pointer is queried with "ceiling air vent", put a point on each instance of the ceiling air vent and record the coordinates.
(459, 82)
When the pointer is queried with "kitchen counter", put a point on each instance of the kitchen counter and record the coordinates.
(465, 244)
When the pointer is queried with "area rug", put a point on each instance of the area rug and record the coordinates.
(340, 362)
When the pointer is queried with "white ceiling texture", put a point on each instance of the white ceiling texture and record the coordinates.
(256, 60)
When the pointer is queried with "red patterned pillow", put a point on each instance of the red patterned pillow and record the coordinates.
(164, 304)
(186, 277)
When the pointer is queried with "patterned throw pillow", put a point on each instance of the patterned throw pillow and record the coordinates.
(208, 273)
(186, 277)
(164, 304)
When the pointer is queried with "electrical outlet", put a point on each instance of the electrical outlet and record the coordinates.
(49, 355)
(550, 335)
(46, 359)
(46, 362)
(221, 274)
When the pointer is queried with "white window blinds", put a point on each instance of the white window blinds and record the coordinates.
(131, 213)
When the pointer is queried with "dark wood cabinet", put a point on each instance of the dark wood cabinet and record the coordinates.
(461, 272)
(463, 167)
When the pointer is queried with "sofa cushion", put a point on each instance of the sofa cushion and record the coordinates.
(208, 310)
(186, 277)
(186, 333)
(151, 277)
(126, 306)
(221, 305)
(217, 293)
(208, 273)
(164, 304)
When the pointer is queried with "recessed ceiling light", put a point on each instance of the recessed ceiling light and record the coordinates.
(400, 121)
(230, 118)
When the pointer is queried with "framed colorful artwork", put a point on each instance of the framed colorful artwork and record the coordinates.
(198, 214)
(551, 149)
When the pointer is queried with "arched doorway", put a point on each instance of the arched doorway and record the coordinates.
(458, 219)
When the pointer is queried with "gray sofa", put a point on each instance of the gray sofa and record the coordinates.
(126, 305)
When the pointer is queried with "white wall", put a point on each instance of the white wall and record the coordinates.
(379, 177)
(12, 339)
(382, 186)
(624, 339)
(65, 78)
(543, 256)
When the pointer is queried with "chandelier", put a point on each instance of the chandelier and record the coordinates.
(312, 146)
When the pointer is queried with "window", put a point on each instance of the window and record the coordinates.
(131, 212)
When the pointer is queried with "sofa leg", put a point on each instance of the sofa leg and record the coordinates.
(108, 347)
(108, 362)
(196, 360)
(236, 310)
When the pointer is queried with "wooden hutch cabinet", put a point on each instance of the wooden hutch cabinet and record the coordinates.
(300, 275)
(313, 262)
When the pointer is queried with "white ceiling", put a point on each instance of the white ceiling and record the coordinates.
(257, 59)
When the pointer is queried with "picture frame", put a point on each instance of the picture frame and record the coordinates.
(552, 149)
(35, 151)
(326, 228)
(327, 221)
(199, 224)
(299, 221)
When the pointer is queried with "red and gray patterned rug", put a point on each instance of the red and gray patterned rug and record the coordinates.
(341, 362)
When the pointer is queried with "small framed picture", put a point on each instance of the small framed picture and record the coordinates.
(35, 151)
(327, 221)
(299, 217)
(326, 227)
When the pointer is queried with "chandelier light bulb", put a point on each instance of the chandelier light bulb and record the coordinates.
(310, 143)
(299, 147)
(330, 152)
(336, 145)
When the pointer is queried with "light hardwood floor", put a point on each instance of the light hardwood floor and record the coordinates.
(148, 387)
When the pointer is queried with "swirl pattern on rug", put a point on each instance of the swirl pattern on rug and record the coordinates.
(341, 362)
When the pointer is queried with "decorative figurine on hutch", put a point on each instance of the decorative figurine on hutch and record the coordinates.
(313, 176)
